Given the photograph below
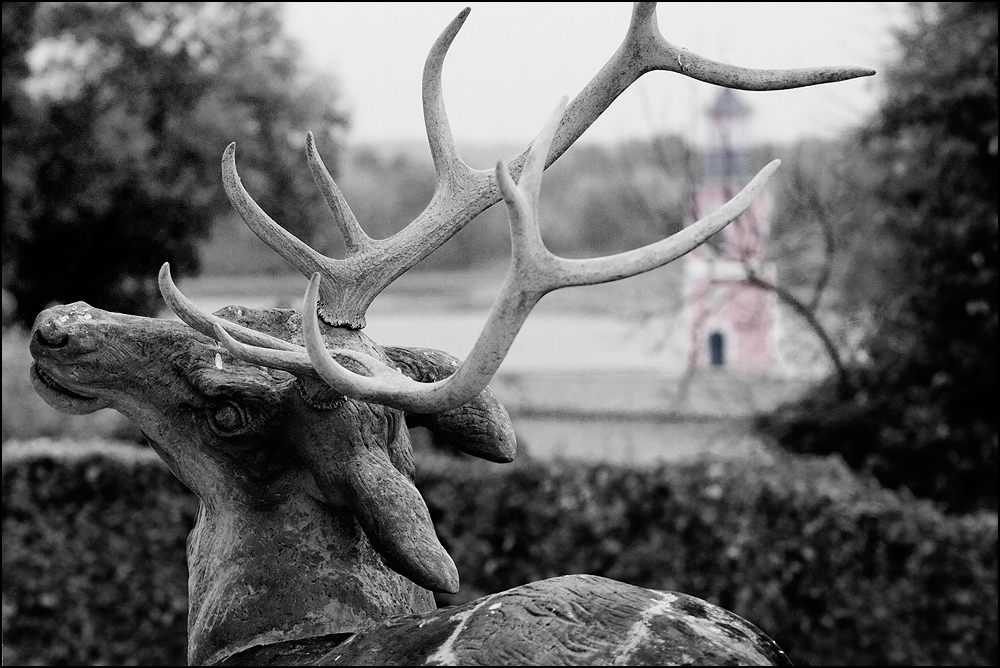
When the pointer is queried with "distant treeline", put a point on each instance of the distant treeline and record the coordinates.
(596, 200)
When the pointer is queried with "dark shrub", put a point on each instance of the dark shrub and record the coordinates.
(836, 569)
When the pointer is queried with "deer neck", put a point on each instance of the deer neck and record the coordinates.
(301, 570)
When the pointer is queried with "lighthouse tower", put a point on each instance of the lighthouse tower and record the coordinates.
(730, 322)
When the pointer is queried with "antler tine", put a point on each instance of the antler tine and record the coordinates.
(250, 345)
(447, 162)
(659, 54)
(296, 252)
(295, 360)
(207, 323)
(461, 192)
(630, 263)
(643, 50)
(339, 273)
(534, 271)
(355, 238)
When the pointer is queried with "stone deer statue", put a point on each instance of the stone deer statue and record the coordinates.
(312, 545)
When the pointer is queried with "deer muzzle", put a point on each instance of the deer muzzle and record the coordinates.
(81, 353)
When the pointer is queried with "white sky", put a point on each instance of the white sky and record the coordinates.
(512, 61)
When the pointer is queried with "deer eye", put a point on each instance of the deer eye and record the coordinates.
(228, 418)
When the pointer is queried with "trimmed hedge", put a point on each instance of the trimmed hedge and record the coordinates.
(94, 569)
(837, 570)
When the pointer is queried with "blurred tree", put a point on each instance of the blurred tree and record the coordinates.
(822, 242)
(815, 226)
(18, 28)
(599, 200)
(128, 119)
(920, 411)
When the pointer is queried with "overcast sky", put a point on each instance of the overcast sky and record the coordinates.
(513, 60)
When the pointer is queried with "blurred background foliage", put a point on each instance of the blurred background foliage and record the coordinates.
(112, 141)
(115, 116)
(837, 569)
(919, 408)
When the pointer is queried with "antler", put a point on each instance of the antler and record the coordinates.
(534, 271)
(348, 286)
(340, 290)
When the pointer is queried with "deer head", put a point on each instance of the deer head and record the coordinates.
(291, 428)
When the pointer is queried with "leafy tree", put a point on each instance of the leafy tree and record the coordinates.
(18, 26)
(130, 116)
(921, 411)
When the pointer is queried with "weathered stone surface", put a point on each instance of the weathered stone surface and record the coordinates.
(288, 653)
(309, 523)
(580, 620)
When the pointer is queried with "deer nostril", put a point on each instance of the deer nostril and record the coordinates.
(51, 337)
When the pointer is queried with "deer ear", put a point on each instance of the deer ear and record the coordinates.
(395, 518)
(391, 513)
(480, 427)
